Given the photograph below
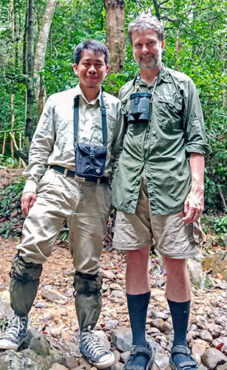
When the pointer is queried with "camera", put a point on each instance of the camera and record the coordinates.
(140, 106)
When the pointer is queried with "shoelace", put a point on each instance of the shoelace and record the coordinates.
(16, 324)
(92, 344)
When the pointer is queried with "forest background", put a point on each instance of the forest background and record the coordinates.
(37, 39)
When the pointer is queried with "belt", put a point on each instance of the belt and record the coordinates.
(72, 174)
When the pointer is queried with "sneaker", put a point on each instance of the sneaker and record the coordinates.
(15, 333)
(95, 353)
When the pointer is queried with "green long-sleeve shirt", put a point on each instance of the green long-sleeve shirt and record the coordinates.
(161, 148)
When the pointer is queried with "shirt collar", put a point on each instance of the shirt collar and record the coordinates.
(163, 75)
(79, 92)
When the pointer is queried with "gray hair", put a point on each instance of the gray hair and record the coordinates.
(146, 21)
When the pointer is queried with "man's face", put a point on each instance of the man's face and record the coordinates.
(147, 49)
(91, 69)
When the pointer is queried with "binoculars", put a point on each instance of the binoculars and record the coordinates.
(140, 107)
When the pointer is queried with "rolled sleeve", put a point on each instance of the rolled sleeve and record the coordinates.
(40, 149)
(195, 137)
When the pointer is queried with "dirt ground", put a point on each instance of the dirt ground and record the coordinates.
(9, 175)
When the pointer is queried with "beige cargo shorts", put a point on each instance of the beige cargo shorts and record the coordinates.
(169, 235)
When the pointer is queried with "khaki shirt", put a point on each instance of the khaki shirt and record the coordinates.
(160, 150)
(53, 141)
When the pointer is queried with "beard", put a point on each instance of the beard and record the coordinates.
(149, 61)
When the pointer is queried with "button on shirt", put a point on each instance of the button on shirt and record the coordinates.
(160, 150)
(53, 141)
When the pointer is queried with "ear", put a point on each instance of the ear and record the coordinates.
(75, 69)
(163, 45)
(107, 68)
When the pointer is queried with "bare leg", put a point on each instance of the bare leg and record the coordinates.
(137, 277)
(178, 285)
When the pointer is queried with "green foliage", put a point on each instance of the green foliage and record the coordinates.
(9, 196)
(220, 225)
(6, 161)
(195, 39)
(10, 203)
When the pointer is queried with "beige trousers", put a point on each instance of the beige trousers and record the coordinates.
(84, 205)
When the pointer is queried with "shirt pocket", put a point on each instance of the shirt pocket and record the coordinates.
(169, 111)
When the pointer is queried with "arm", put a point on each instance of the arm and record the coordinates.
(27, 201)
(194, 203)
(40, 149)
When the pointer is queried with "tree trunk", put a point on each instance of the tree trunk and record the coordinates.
(115, 33)
(157, 6)
(40, 91)
(30, 71)
(14, 32)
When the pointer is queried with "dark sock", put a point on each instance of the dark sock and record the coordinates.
(137, 308)
(180, 315)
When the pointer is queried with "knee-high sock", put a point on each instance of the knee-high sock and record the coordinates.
(180, 315)
(137, 308)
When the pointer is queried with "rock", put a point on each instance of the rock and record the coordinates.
(5, 308)
(118, 294)
(162, 325)
(70, 362)
(199, 346)
(196, 272)
(221, 344)
(212, 357)
(10, 360)
(53, 295)
(161, 360)
(217, 262)
(26, 359)
(153, 331)
(40, 305)
(56, 332)
(197, 357)
(117, 355)
(221, 367)
(57, 366)
(83, 364)
(108, 274)
(38, 343)
(191, 335)
(205, 335)
(115, 286)
(48, 317)
(122, 339)
(117, 366)
(111, 324)
(124, 356)
(158, 315)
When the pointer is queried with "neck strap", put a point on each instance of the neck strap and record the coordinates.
(76, 119)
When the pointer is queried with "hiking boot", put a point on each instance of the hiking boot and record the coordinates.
(15, 333)
(94, 352)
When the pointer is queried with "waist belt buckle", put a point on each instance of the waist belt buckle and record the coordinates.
(65, 172)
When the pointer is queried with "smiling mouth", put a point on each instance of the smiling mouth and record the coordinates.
(147, 57)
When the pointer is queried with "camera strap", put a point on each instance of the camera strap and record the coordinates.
(76, 119)
(136, 85)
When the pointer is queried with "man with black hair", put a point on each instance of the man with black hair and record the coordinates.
(158, 188)
(83, 125)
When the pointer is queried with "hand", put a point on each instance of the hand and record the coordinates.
(193, 206)
(27, 201)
